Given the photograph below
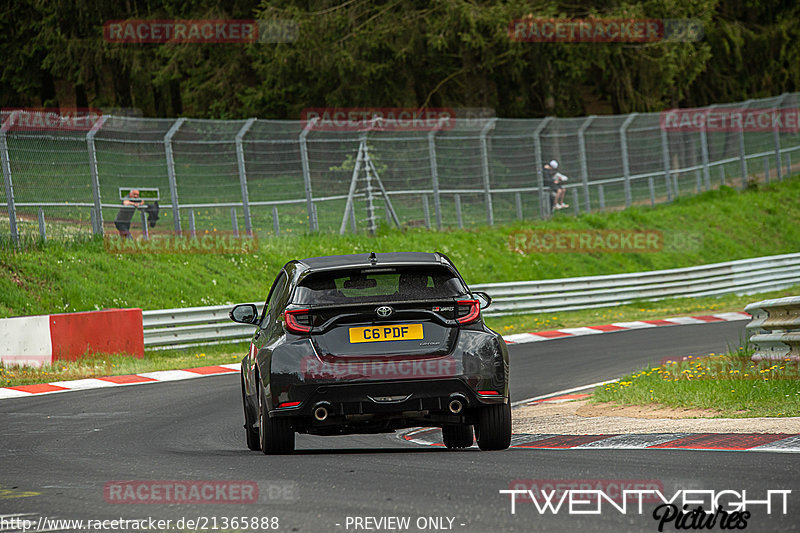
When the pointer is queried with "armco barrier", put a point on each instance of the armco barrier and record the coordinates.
(747, 276)
(37, 340)
(196, 325)
(775, 329)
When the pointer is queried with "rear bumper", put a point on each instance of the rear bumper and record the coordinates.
(377, 407)
(386, 398)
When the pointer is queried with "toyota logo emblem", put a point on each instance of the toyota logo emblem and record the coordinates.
(384, 311)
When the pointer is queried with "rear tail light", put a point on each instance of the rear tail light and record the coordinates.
(488, 393)
(284, 405)
(468, 311)
(297, 321)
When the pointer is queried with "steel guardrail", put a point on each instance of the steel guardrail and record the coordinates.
(204, 325)
(774, 330)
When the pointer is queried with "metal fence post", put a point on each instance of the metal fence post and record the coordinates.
(192, 229)
(248, 226)
(487, 188)
(276, 225)
(437, 199)
(94, 173)
(459, 220)
(743, 150)
(766, 169)
(145, 230)
(6, 164)
(312, 213)
(42, 226)
(626, 170)
(576, 202)
(93, 220)
(518, 201)
(544, 203)
(426, 211)
(234, 223)
(173, 185)
(665, 157)
(776, 135)
(704, 150)
(587, 204)
(601, 196)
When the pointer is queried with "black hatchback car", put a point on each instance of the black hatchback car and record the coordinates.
(373, 343)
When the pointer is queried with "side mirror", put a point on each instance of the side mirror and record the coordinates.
(484, 299)
(244, 314)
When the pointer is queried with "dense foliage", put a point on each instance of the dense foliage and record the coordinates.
(454, 53)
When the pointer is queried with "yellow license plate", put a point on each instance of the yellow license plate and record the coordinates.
(391, 332)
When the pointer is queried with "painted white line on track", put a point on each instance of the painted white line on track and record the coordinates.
(88, 383)
(170, 375)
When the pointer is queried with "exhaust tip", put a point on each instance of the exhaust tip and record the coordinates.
(456, 406)
(321, 412)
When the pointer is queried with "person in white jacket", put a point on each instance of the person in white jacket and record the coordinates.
(554, 180)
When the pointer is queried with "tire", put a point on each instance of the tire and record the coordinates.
(494, 427)
(457, 436)
(249, 423)
(275, 435)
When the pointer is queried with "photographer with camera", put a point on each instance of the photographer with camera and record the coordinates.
(553, 180)
(125, 215)
(130, 204)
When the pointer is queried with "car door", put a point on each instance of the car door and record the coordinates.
(262, 335)
(270, 330)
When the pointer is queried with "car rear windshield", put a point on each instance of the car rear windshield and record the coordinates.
(364, 285)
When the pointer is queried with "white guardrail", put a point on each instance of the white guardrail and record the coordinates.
(207, 325)
(775, 329)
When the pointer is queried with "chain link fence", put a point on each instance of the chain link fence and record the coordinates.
(269, 177)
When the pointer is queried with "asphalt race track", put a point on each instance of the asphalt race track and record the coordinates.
(59, 452)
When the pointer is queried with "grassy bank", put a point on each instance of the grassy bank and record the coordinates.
(120, 365)
(55, 277)
(729, 384)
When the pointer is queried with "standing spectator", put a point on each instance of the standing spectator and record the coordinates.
(553, 180)
(125, 215)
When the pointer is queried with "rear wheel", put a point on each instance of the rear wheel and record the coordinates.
(494, 427)
(249, 423)
(275, 434)
(459, 436)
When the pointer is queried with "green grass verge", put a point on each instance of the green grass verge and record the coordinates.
(80, 276)
(730, 385)
(120, 365)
